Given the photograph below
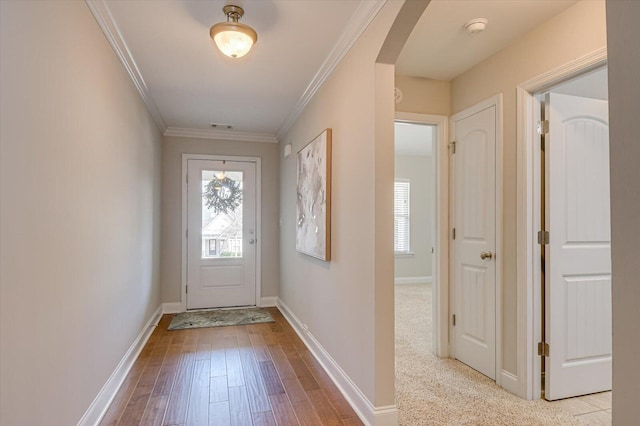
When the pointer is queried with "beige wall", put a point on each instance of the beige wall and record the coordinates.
(80, 212)
(347, 303)
(424, 95)
(575, 32)
(624, 104)
(172, 150)
(419, 171)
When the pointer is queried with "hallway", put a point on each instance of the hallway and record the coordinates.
(259, 374)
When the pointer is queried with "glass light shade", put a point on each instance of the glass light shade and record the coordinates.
(233, 38)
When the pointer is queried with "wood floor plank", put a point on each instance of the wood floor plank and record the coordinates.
(204, 344)
(258, 400)
(352, 421)
(235, 376)
(160, 350)
(136, 405)
(294, 390)
(190, 341)
(119, 403)
(218, 360)
(154, 413)
(198, 411)
(170, 364)
(283, 411)
(285, 371)
(308, 357)
(270, 377)
(263, 419)
(323, 407)
(239, 410)
(179, 400)
(260, 348)
(342, 407)
(289, 350)
(306, 415)
(218, 391)
(303, 374)
(219, 414)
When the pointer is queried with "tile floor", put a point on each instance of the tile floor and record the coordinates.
(591, 410)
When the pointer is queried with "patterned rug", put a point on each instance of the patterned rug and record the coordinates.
(219, 318)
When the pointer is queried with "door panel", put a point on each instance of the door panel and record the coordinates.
(474, 174)
(221, 249)
(578, 278)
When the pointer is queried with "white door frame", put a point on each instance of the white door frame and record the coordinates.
(440, 274)
(503, 378)
(257, 162)
(528, 251)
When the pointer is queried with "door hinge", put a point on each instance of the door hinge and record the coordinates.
(543, 349)
(186, 289)
(452, 147)
(454, 320)
(186, 234)
(543, 237)
(543, 127)
(187, 178)
(453, 233)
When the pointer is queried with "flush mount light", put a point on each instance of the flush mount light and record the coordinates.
(476, 25)
(233, 38)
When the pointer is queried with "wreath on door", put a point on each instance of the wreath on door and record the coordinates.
(223, 195)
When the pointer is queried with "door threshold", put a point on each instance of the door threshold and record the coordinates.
(226, 308)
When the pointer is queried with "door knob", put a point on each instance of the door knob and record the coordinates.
(251, 241)
(486, 255)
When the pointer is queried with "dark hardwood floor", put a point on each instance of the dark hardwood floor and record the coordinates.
(260, 374)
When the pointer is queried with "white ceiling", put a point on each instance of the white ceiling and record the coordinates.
(192, 84)
(413, 139)
(188, 84)
(441, 49)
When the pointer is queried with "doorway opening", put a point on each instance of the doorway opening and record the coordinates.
(414, 229)
(420, 226)
(221, 228)
(582, 79)
(572, 200)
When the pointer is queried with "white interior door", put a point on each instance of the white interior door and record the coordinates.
(221, 237)
(578, 277)
(474, 246)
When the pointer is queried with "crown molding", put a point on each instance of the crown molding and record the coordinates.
(367, 10)
(103, 17)
(223, 135)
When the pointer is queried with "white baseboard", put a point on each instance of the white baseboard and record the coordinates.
(172, 308)
(99, 406)
(368, 413)
(269, 302)
(413, 280)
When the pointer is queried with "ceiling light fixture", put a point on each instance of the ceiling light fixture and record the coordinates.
(233, 38)
(476, 26)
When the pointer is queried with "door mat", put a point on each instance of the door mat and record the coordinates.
(219, 318)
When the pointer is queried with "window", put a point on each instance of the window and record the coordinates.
(401, 191)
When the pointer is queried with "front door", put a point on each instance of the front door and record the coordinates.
(221, 234)
(578, 271)
(474, 244)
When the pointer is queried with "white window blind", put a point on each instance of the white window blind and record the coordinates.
(401, 216)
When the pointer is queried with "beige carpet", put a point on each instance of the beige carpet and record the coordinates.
(433, 391)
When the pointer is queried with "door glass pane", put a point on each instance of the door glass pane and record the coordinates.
(221, 214)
